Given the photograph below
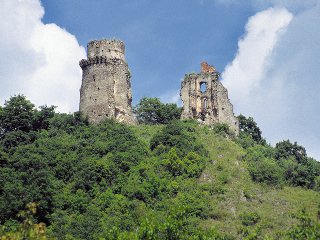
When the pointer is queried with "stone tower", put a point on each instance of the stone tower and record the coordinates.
(106, 89)
(205, 99)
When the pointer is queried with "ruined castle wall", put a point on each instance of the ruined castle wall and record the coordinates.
(106, 48)
(106, 90)
(210, 104)
(226, 114)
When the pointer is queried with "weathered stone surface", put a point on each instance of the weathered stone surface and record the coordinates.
(206, 68)
(106, 88)
(205, 99)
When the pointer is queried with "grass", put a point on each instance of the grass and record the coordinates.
(236, 194)
(145, 132)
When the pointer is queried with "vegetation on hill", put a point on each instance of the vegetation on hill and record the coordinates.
(153, 111)
(61, 178)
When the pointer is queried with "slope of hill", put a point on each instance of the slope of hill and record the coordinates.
(236, 198)
(175, 181)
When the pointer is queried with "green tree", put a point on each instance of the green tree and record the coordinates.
(17, 114)
(153, 111)
(249, 127)
(15, 138)
(67, 122)
(286, 149)
(299, 169)
(20, 120)
(301, 174)
(180, 135)
(42, 117)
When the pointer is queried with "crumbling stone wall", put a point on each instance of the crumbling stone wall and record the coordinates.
(206, 99)
(106, 88)
(206, 68)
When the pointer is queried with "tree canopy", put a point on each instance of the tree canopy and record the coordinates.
(248, 127)
(65, 179)
(153, 111)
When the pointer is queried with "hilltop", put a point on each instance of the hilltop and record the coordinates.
(63, 178)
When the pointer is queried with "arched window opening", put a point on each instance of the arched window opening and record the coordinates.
(205, 103)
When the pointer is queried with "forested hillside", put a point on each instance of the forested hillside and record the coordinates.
(61, 178)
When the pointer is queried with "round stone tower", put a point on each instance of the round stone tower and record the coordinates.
(106, 89)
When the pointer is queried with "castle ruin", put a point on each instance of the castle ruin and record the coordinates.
(206, 99)
(106, 88)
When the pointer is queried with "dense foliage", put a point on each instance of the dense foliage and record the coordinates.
(286, 163)
(65, 179)
(267, 168)
(153, 111)
(97, 181)
(250, 133)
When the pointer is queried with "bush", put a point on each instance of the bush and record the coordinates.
(180, 135)
(305, 229)
(266, 171)
(223, 130)
(299, 169)
(191, 165)
(303, 175)
(258, 152)
(317, 184)
(249, 218)
(245, 140)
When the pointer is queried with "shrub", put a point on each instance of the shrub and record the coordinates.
(180, 135)
(223, 130)
(258, 152)
(245, 140)
(305, 229)
(303, 175)
(266, 171)
(249, 218)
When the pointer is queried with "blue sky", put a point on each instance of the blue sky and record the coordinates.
(268, 52)
(164, 39)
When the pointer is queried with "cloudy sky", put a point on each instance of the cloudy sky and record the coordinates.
(268, 52)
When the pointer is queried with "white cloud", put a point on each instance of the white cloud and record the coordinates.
(250, 64)
(39, 60)
(274, 75)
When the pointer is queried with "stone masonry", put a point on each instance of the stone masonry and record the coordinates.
(206, 99)
(106, 88)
